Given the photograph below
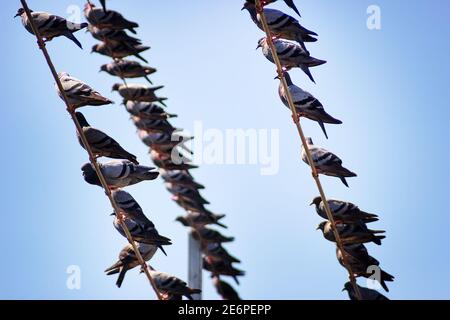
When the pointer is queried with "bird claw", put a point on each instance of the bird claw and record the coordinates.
(296, 118)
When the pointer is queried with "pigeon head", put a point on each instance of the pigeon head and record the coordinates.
(116, 87)
(261, 43)
(249, 5)
(20, 12)
(183, 221)
(322, 225)
(89, 174)
(81, 119)
(95, 48)
(309, 141)
(316, 201)
(348, 287)
(103, 68)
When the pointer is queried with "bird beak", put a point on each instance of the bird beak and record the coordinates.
(113, 214)
(317, 228)
(277, 77)
(343, 290)
(311, 203)
(259, 46)
(243, 8)
(16, 15)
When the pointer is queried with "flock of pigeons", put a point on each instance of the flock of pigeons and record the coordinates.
(289, 38)
(166, 143)
(125, 170)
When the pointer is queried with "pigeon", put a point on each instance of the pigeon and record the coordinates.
(129, 207)
(290, 4)
(182, 178)
(306, 104)
(199, 220)
(217, 252)
(153, 125)
(78, 93)
(171, 285)
(113, 37)
(50, 26)
(164, 161)
(343, 212)
(221, 268)
(143, 234)
(366, 293)
(360, 261)
(351, 233)
(103, 2)
(326, 163)
(225, 290)
(120, 50)
(109, 19)
(207, 235)
(291, 56)
(163, 142)
(138, 92)
(281, 25)
(101, 144)
(128, 260)
(189, 205)
(128, 69)
(184, 192)
(119, 174)
(147, 110)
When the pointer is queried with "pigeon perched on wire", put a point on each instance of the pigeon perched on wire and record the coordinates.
(158, 140)
(119, 174)
(188, 193)
(101, 144)
(217, 252)
(291, 56)
(351, 233)
(360, 262)
(158, 125)
(78, 93)
(120, 50)
(326, 162)
(199, 220)
(222, 267)
(128, 69)
(147, 110)
(281, 25)
(129, 207)
(128, 260)
(189, 205)
(138, 92)
(143, 234)
(50, 26)
(343, 212)
(164, 161)
(207, 235)
(225, 290)
(182, 178)
(366, 293)
(113, 37)
(109, 19)
(171, 285)
(306, 104)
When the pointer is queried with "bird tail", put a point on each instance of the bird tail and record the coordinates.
(322, 126)
(313, 62)
(227, 239)
(308, 38)
(150, 175)
(291, 5)
(121, 277)
(131, 29)
(160, 247)
(137, 55)
(307, 71)
(132, 158)
(148, 79)
(221, 225)
(385, 277)
(111, 271)
(344, 181)
(73, 38)
(377, 239)
(157, 88)
(161, 100)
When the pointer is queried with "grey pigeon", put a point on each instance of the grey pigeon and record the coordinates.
(128, 260)
(191, 194)
(222, 267)
(154, 125)
(281, 25)
(326, 162)
(180, 177)
(51, 26)
(360, 261)
(351, 233)
(101, 144)
(147, 110)
(171, 285)
(344, 212)
(291, 55)
(164, 161)
(113, 37)
(366, 294)
(120, 50)
(78, 93)
(129, 207)
(128, 69)
(109, 19)
(207, 235)
(119, 174)
(217, 252)
(143, 234)
(306, 104)
(225, 290)
(138, 92)
(198, 220)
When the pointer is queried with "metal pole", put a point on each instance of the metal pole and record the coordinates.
(194, 265)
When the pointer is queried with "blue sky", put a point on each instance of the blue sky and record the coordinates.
(388, 86)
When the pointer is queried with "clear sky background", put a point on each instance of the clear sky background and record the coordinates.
(388, 86)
